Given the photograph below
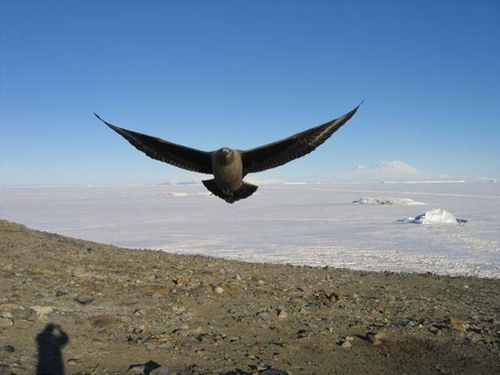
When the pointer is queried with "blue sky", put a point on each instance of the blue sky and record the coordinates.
(242, 73)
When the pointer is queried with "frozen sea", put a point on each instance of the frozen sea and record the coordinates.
(312, 224)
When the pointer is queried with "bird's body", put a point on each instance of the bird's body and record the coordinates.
(229, 166)
(228, 184)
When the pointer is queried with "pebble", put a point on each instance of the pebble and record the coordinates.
(84, 299)
(301, 333)
(219, 290)
(474, 328)
(282, 314)
(182, 280)
(73, 361)
(9, 348)
(273, 371)
(375, 338)
(263, 315)
(182, 332)
(144, 368)
(346, 342)
(346, 345)
(61, 292)
(457, 324)
(434, 330)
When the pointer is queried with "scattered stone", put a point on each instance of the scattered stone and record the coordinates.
(473, 328)
(375, 338)
(61, 292)
(282, 314)
(323, 298)
(84, 299)
(457, 324)
(434, 329)
(301, 333)
(345, 342)
(181, 332)
(290, 321)
(145, 368)
(273, 371)
(182, 280)
(207, 338)
(218, 290)
(346, 345)
(262, 315)
(9, 348)
(73, 361)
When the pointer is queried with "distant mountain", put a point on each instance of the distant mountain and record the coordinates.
(394, 170)
(394, 166)
(190, 182)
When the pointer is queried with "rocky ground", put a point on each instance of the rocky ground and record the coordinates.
(78, 307)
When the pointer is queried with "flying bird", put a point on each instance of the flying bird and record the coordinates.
(229, 166)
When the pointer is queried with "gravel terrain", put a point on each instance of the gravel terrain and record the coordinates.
(77, 307)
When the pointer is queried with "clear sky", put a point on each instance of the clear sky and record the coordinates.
(241, 73)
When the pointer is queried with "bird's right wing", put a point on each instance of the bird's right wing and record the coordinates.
(168, 152)
(281, 152)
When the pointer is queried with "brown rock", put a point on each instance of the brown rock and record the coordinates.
(457, 324)
(375, 338)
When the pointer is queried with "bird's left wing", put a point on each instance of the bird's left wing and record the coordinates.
(168, 152)
(281, 152)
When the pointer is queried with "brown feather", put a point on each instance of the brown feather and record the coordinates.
(281, 152)
(168, 152)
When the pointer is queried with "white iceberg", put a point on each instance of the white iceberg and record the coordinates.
(174, 194)
(436, 216)
(185, 194)
(389, 202)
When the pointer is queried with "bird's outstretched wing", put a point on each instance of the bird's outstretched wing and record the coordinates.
(171, 153)
(281, 152)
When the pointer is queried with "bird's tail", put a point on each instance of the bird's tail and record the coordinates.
(243, 192)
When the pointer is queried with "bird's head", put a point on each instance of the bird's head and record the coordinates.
(225, 154)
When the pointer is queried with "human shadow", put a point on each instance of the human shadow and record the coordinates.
(50, 343)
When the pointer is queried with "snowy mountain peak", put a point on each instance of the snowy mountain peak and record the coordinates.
(388, 166)
(393, 170)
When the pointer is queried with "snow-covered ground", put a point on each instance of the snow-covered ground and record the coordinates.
(298, 224)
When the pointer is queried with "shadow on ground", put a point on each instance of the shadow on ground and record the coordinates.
(50, 343)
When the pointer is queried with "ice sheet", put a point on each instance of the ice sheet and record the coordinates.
(297, 224)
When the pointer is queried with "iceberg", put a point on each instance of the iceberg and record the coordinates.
(389, 202)
(436, 216)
